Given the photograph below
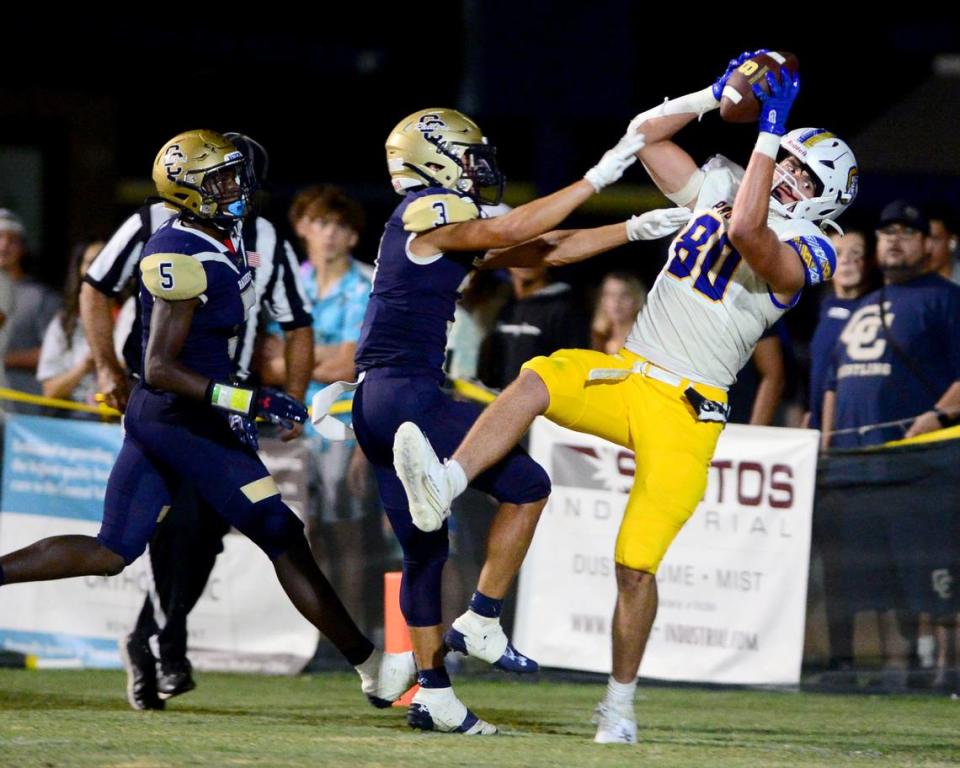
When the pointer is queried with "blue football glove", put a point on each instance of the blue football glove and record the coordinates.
(717, 87)
(245, 429)
(775, 105)
(279, 408)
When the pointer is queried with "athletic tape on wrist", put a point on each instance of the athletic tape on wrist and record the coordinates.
(768, 144)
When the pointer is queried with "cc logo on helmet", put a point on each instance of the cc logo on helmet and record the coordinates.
(430, 122)
(172, 161)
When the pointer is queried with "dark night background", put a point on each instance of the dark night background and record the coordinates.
(85, 104)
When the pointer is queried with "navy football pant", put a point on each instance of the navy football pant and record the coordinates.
(387, 398)
(170, 441)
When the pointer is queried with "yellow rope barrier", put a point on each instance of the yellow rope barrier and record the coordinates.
(100, 409)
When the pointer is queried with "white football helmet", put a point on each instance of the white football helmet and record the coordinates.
(832, 164)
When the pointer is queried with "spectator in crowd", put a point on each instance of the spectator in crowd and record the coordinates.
(473, 319)
(896, 373)
(330, 223)
(36, 304)
(622, 296)
(541, 318)
(66, 368)
(898, 359)
(942, 243)
(856, 275)
(11, 237)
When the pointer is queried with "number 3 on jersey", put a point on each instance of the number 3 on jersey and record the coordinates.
(702, 253)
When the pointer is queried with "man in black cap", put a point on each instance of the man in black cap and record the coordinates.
(898, 359)
(895, 373)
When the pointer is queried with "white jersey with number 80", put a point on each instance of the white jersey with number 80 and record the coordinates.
(708, 308)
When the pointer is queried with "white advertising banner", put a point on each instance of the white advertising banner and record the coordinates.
(54, 478)
(732, 586)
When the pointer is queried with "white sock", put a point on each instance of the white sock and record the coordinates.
(456, 476)
(926, 649)
(371, 667)
(620, 695)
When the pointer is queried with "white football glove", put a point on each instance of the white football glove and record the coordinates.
(653, 225)
(615, 161)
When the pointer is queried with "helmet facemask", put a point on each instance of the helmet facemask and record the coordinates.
(784, 176)
(478, 168)
(225, 194)
(832, 167)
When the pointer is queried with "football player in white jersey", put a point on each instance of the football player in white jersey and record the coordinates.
(751, 245)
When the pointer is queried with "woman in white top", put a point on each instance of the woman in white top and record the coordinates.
(66, 366)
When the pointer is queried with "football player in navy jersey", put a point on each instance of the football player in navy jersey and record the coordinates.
(443, 166)
(186, 422)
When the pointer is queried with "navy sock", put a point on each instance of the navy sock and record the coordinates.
(486, 606)
(433, 678)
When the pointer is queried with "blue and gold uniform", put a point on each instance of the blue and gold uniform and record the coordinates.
(170, 438)
(400, 354)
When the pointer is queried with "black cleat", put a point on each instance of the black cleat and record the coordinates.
(175, 678)
(141, 668)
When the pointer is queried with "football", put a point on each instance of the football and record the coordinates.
(737, 103)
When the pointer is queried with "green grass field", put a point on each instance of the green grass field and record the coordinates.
(70, 718)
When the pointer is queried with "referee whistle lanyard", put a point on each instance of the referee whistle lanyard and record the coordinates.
(327, 425)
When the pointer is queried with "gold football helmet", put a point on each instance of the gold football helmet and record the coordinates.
(203, 173)
(443, 147)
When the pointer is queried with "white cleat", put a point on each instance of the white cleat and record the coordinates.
(439, 709)
(423, 478)
(483, 638)
(385, 677)
(615, 725)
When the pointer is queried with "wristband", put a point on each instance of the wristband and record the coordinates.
(768, 144)
(229, 398)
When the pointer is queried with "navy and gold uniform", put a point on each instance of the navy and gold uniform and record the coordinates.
(400, 354)
(169, 438)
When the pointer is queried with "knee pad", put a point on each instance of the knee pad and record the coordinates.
(420, 589)
(258, 512)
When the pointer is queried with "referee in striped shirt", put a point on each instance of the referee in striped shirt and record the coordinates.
(183, 549)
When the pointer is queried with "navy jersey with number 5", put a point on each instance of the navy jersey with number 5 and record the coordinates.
(412, 298)
(873, 381)
(181, 263)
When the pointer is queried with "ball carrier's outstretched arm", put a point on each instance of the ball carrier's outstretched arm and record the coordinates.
(672, 169)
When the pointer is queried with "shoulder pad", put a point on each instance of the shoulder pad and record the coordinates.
(431, 211)
(173, 276)
(721, 163)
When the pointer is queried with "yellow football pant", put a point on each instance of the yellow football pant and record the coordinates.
(653, 419)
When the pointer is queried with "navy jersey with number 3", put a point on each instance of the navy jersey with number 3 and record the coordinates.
(413, 298)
